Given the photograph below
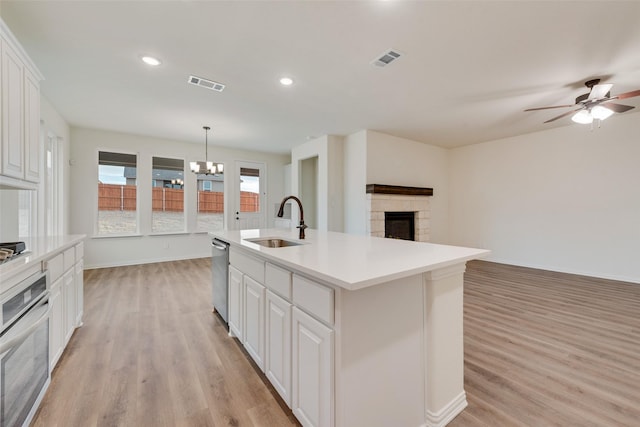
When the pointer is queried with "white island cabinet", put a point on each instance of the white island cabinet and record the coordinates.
(353, 330)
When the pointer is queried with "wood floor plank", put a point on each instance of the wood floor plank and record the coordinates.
(545, 348)
(541, 349)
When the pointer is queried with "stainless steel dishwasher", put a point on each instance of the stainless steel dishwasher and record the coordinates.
(220, 276)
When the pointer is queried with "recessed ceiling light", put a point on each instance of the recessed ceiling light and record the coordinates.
(286, 81)
(150, 60)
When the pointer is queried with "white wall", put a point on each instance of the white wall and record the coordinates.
(566, 199)
(114, 251)
(355, 181)
(9, 215)
(309, 190)
(329, 150)
(397, 161)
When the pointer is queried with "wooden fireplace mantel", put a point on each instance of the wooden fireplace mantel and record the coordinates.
(398, 190)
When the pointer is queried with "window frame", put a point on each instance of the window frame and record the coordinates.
(96, 227)
(184, 230)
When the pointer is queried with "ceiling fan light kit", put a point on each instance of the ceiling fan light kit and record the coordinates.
(601, 113)
(593, 105)
(583, 117)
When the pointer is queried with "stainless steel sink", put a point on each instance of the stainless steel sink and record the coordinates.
(273, 242)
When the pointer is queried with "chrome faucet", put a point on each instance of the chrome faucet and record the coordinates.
(281, 213)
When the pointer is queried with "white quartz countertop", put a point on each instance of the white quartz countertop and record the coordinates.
(40, 249)
(351, 261)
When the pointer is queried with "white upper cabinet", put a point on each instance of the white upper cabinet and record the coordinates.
(33, 151)
(12, 113)
(20, 148)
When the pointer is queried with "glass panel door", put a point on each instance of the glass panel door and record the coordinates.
(250, 196)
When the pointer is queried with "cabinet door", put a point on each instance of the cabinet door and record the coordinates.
(254, 297)
(56, 323)
(12, 114)
(32, 147)
(312, 371)
(236, 303)
(79, 285)
(69, 293)
(278, 345)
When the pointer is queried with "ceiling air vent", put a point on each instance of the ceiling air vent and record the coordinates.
(209, 84)
(386, 58)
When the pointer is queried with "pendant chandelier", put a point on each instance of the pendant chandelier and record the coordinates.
(206, 167)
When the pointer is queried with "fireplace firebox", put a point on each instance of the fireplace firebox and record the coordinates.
(399, 225)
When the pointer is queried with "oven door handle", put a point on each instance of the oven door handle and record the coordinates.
(20, 338)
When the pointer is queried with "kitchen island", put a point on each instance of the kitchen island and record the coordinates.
(352, 330)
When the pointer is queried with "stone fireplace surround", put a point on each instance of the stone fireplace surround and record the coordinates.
(393, 198)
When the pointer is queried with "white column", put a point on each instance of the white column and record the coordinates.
(443, 344)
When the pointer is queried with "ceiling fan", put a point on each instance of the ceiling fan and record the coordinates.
(597, 104)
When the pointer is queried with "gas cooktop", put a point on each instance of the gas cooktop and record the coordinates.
(8, 250)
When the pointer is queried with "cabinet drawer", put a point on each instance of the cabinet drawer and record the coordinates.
(79, 251)
(69, 258)
(252, 267)
(314, 298)
(56, 267)
(278, 280)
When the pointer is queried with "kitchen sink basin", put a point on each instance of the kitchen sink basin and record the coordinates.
(273, 242)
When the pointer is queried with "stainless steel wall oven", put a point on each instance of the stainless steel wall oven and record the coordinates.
(24, 349)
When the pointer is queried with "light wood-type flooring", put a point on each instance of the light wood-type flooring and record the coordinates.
(541, 349)
(152, 353)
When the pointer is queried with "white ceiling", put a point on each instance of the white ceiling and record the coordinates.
(468, 71)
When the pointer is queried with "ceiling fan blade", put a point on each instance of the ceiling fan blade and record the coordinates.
(563, 115)
(547, 108)
(627, 94)
(618, 108)
(600, 91)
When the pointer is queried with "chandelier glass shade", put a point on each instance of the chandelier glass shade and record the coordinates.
(206, 167)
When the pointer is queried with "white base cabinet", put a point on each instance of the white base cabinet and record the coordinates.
(284, 322)
(56, 319)
(236, 303)
(66, 298)
(254, 294)
(312, 397)
(69, 292)
(278, 345)
(79, 285)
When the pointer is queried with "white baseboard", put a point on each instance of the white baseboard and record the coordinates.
(145, 261)
(564, 270)
(446, 414)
